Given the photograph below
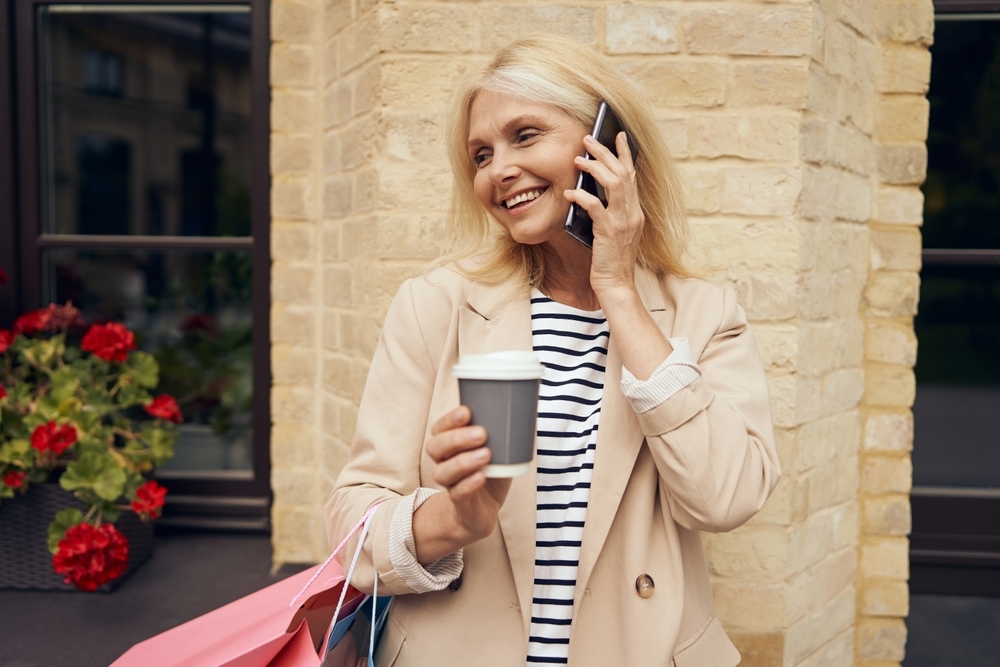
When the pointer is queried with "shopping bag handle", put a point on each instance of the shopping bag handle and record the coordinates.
(363, 523)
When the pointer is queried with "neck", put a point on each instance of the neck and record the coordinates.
(567, 274)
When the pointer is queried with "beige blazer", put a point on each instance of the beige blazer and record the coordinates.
(704, 460)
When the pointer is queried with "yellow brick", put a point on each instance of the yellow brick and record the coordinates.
(906, 21)
(443, 27)
(760, 552)
(502, 23)
(290, 198)
(815, 140)
(899, 205)
(895, 250)
(852, 149)
(820, 194)
(291, 284)
(858, 100)
(887, 557)
(902, 118)
(847, 54)
(291, 241)
(286, 445)
(337, 196)
(778, 345)
(860, 15)
(631, 29)
(292, 110)
(761, 192)
(891, 343)
(338, 286)
(887, 515)
(842, 390)
(886, 475)
(854, 201)
(779, 83)
(290, 152)
(336, 16)
(752, 137)
(291, 64)
(892, 294)
(407, 80)
(881, 597)
(820, 627)
(881, 639)
(822, 92)
(409, 236)
(902, 164)
(337, 374)
(810, 541)
(739, 243)
(683, 83)
(838, 652)
(889, 432)
(702, 189)
(291, 324)
(903, 68)
(414, 138)
(293, 404)
(889, 385)
(292, 22)
(746, 606)
(754, 31)
(358, 42)
(331, 151)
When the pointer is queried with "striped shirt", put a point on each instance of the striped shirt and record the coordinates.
(573, 347)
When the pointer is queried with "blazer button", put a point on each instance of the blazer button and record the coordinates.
(644, 586)
(456, 583)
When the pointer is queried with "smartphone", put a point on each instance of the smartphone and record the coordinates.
(606, 128)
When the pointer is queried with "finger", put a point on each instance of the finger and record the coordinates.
(586, 201)
(604, 156)
(605, 176)
(624, 152)
(460, 416)
(464, 491)
(452, 471)
(445, 445)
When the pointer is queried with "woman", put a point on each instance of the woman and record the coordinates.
(654, 420)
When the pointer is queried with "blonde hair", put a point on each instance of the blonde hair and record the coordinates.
(565, 73)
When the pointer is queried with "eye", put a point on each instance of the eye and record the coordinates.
(527, 135)
(481, 157)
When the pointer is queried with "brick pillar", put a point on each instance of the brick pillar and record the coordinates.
(797, 126)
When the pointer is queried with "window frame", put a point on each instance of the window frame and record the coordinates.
(217, 503)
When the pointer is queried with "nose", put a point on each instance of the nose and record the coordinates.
(503, 168)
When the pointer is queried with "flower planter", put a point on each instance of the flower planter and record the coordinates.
(25, 561)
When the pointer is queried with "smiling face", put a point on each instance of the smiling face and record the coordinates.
(523, 154)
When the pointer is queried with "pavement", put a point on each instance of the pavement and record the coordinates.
(190, 574)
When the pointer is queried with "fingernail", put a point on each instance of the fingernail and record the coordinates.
(482, 454)
(457, 414)
(477, 434)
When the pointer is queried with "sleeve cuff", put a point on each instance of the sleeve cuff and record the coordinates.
(676, 372)
(403, 549)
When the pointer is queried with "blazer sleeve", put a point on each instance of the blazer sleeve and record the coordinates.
(713, 441)
(384, 462)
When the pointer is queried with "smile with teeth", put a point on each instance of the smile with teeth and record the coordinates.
(523, 197)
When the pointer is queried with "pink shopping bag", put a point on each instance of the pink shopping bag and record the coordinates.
(268, 628)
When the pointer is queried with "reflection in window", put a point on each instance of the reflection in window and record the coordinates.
(174, 86)
(192, 310)
(104, 185)
(102, 73)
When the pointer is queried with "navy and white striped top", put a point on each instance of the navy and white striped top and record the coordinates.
(573, 347)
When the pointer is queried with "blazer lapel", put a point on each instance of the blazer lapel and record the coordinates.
(619, 439)
(496, 318)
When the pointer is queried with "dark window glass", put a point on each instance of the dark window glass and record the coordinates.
(957, 409)
(192, 310)
(153, 105)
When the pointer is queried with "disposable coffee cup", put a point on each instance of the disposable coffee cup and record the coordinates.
(501, 391)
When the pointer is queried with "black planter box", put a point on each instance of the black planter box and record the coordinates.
(25, 561)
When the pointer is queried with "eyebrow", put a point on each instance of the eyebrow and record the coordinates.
(528, 119)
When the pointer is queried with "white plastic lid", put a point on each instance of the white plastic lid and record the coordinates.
(507, 365)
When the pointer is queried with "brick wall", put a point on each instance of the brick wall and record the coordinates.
(799, 128)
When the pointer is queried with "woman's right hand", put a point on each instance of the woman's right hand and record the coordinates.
(469, 508)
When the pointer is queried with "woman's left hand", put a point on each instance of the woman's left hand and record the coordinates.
(617, 228)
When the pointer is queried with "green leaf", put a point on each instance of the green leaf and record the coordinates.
(6, 492)
(65, 519)
(161, 443)
(48, 408)
(65, 382)
(89, 443)
(99, 473)
(16, 451)
(86, 419)
(143, 369)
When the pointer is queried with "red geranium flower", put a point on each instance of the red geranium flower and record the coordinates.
(164, 406)
(149, 500)
(89, 556)
(3, 392)
(64, 317)
(52, 437)
(6, 339)
(110, 342)
(3, 277)
(33, 322)
(14, 478)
